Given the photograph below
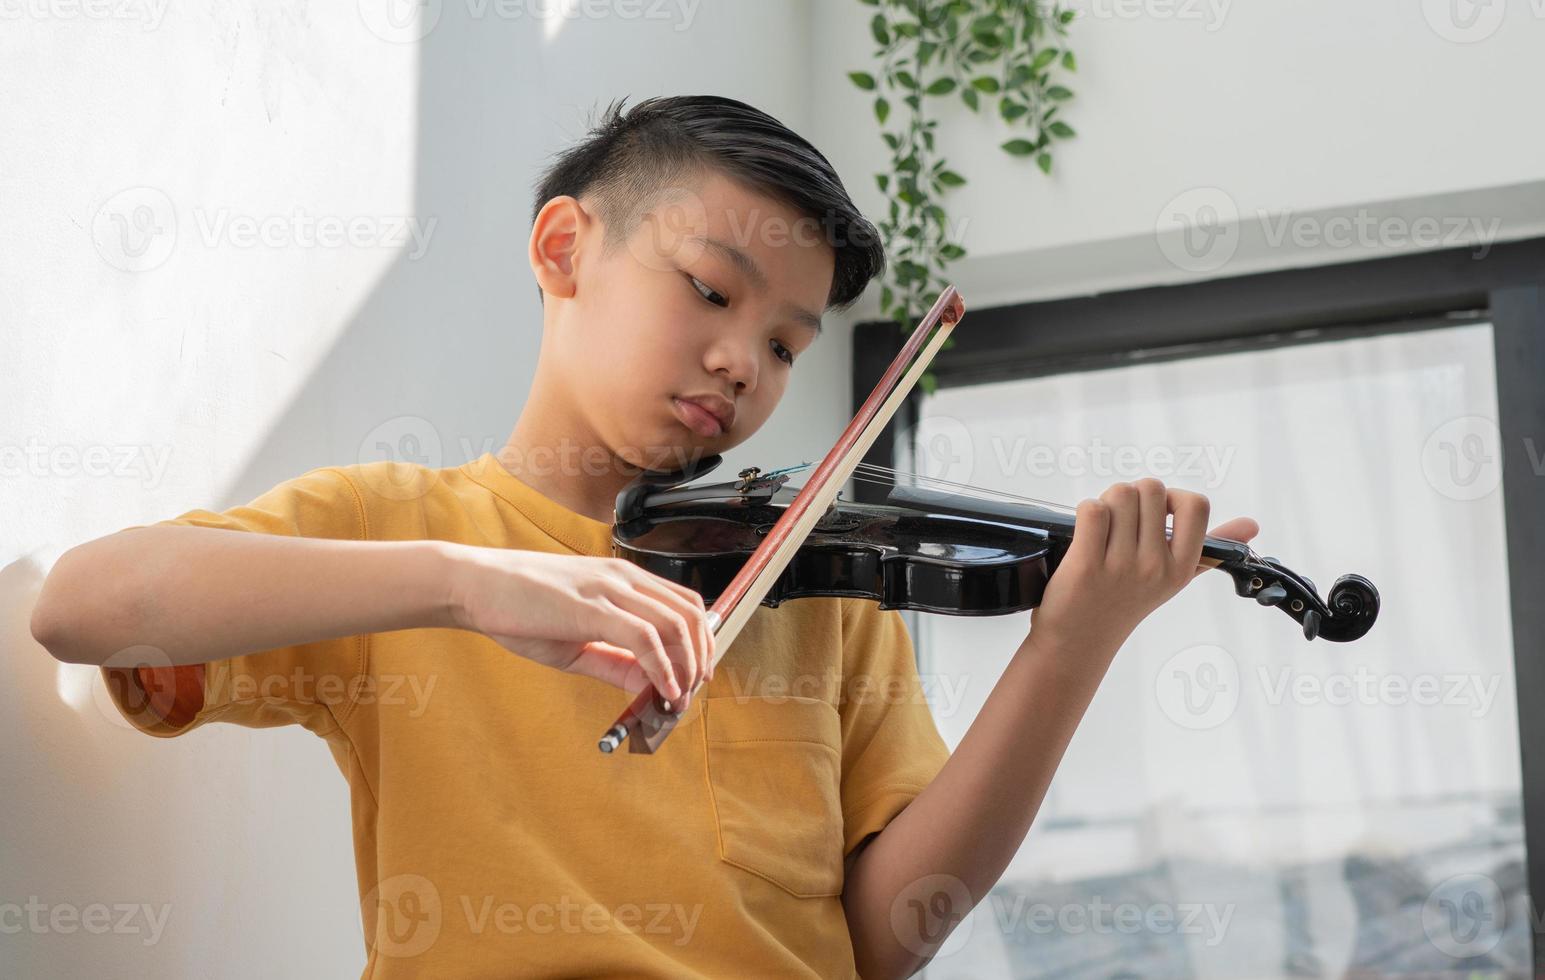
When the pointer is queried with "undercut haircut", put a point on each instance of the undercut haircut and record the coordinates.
(630, 158)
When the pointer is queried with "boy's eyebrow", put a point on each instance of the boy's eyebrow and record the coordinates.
(743, 261)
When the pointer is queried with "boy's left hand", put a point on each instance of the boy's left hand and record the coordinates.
(1121, 567)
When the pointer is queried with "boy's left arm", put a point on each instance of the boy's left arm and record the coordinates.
(910, 884)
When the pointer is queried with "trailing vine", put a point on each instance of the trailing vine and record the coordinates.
(991, 54)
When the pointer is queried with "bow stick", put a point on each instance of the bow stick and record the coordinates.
(650, 718)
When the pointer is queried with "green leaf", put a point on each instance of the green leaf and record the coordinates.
(925, 52)
(877, 27)
(985, 83)
(884, 180)
(942, 86)
(928, 382)
(1044, 162)
(1059, 93)
(905, 28)
(1011, 110)
(952, 252)
(969, 97)
(1046, 57)
(1069, 62)
(882, 110)
(1065, 17)
(928, 140)
(892, 140)
(950, 178)
(906, 79)
(1021, 75)
(862, 79)
(1019, 148)
(1061, 130)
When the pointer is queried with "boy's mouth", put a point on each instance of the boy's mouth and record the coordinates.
(707, 415)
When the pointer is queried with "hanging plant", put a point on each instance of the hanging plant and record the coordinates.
(1002, 56)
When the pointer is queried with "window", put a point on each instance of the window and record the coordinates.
(1238, 801)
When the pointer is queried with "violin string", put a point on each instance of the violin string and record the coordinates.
(978, 495)
(877, 475)
(963, 489)
(1169, 519)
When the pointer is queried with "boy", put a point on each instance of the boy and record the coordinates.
(805, 818)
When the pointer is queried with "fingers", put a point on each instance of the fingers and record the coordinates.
(1121, 542)
(1191, 511)
(689, 606)
(1153, 547)
(677, 616)
(1091, 526)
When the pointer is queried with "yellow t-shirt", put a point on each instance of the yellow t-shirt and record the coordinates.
(493, 839)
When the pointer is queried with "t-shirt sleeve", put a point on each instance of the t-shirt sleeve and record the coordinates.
(891, 747)
(309, 684)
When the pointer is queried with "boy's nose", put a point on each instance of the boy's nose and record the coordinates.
(735, 363)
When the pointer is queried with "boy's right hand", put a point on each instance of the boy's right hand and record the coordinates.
(601, 617)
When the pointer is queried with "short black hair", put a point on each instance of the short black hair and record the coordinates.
(628, 157)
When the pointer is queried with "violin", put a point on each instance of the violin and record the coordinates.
(951, 552)
(934, 546)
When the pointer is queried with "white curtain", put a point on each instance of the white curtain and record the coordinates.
(1239, 802)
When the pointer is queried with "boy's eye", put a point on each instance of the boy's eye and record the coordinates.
(707, 293)
(782, 353)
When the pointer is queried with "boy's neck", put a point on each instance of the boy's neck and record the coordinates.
(579, 474)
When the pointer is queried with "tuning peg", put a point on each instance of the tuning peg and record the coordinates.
(1311, 624)
(1271, 595)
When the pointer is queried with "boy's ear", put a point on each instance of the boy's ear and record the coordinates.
(556, 235)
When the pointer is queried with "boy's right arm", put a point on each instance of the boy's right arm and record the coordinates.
(199, 594)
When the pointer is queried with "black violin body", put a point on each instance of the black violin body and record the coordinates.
(924, 550)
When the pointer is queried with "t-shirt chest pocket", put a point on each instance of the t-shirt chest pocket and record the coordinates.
(774, 771)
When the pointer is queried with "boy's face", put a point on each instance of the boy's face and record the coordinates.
(673, 344)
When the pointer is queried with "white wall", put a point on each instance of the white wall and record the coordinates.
(1312, 111)
(218, 367)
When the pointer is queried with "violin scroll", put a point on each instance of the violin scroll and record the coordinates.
(1346, 614)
